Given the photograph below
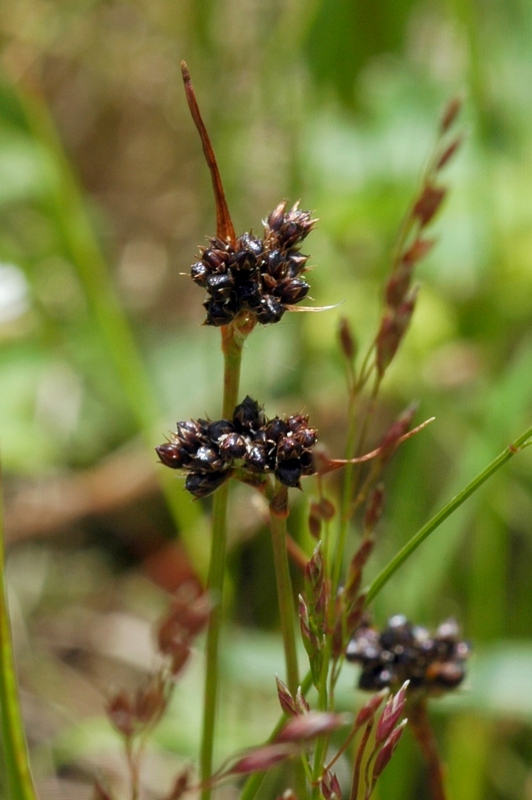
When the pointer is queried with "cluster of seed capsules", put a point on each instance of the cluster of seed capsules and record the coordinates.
(210, 451)
(259, 276)
(402, 651)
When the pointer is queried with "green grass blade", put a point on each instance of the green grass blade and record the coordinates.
(384, 576)
(18, 773)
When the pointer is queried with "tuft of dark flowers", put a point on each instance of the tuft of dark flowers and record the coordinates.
(208, 451)
(259, 276)
(402, 651)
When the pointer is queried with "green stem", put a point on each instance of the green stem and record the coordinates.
(285, 599)
(19, 782)
(390, 569)
(232, 342)
(278, 514)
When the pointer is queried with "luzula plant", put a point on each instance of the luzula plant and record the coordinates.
(247, 281)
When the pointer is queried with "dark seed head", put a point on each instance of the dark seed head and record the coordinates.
(401, 651)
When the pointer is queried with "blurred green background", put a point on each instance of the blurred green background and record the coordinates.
(104, 199)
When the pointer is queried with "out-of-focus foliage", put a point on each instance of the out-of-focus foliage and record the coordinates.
(333, 102)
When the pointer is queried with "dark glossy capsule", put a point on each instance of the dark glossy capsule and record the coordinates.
(207, 459)
(215, 258)
(172, 455)
(274, 261)
(219, 428)
(246, 261)
(249, 294)
(218, 313)
(293, 290)
(288, 448)
(307, 463)
(289, 472)
(256, 458)
(250, 244)
(188, 427)
(297, 422)
(276, 428)
(270, 310)
(233, 445)
(220, 284)
(248, 415)
(306, 437)
(202, 484)
(199, 273)
(276, 218)
(295, 264)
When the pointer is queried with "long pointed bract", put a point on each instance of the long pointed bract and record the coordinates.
(224, 223)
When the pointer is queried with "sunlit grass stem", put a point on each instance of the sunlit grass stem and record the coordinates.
(17, 769)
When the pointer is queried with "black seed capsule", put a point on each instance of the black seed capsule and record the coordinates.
(256, 459)
(248, 415)
(219, 428)
(293, 290)
(233, 445)
(201, 484)
(289, 472)
(270, 310)
(207, 459)
(171, 455)
(199, 273)
(220, 285)
(276, 428)
(218, 313)
(214, 259)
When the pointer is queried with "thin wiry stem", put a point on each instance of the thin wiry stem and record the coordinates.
(232, 349)
(391, 568)
(278, 513)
